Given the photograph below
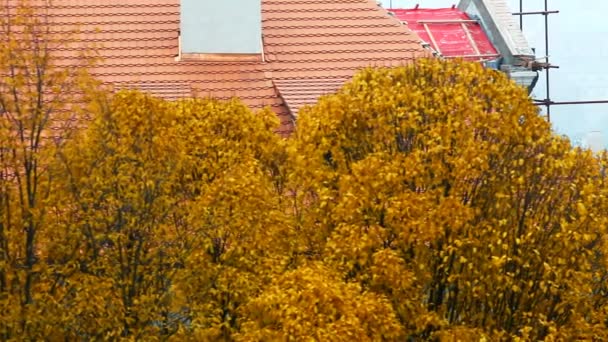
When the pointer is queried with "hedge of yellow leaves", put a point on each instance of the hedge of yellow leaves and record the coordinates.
(427, 202)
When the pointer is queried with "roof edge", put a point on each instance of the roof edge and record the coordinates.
(387, 13)
(498, 20)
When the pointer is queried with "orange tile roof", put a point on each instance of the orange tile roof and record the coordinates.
(310, 48)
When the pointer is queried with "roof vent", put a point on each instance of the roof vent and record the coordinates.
(221, 27)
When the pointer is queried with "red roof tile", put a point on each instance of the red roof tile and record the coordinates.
(314, 46)
(450, 36)
(310, 48)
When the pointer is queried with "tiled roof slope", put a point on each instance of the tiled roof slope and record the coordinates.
(310, 48)
(313, 46)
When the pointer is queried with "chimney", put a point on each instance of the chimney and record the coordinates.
(219, 27)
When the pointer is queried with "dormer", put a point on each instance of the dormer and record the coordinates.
(220, 30)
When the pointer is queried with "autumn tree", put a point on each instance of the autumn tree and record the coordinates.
(238, 229)
(35, 118)
(170, 212)
(426, 202)
(439, 187)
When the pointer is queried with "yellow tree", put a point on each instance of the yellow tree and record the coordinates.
(237, 228)
(439, 187)
(171, 215)
(114, 202)
(34, 121)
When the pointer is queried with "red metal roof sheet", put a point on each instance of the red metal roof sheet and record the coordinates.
(311, 47)
(449, 31)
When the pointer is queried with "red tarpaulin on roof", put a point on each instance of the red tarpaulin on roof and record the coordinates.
(445, 30)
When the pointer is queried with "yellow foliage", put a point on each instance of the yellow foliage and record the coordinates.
(427, 202)
(490, 222)
(312, 303)
(37, 113)
(174, 205)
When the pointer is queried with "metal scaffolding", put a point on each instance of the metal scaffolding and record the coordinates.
(547, 66)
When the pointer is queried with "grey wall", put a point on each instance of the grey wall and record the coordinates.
(220, 26)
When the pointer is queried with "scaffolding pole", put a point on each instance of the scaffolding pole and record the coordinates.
(547, 102)
(558, 103)
(547, 73)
